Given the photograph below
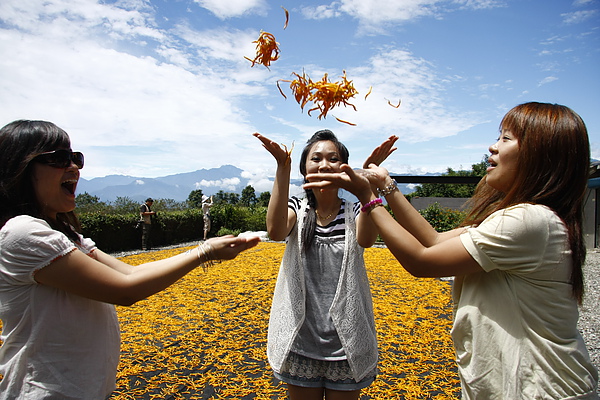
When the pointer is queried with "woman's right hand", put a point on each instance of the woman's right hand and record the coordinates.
(282, 156)
(378, 177)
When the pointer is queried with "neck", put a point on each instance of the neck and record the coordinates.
(327, 207)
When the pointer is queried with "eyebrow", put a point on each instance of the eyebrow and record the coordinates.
(329, 154)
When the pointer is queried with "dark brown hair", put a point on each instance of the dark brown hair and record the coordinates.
(552, 170)
(310, 224)
(20, 142)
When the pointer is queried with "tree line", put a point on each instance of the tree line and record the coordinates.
(87, 203)
(111, 224)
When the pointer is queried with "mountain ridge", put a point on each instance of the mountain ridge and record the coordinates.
(227, 178)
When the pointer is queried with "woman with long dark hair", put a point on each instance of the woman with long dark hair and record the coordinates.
(321, 340)
(60, 333)
(517, 261)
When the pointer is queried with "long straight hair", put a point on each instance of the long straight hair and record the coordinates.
(20, 142)
(310, 222)
(552, 170)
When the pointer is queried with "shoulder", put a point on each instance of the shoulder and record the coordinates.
(518, 235)
(355, 207)
(523, 218)
(295, 203)
(27, 244)
(23, 226)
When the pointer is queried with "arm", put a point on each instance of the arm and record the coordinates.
(366, 231)
(104, 278)
(280, 218)
(417, 246)
(147, 212)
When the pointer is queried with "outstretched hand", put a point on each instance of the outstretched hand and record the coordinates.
(282, 156)
(228, 247)
(381, 152)
(360, 182)
(356, 182)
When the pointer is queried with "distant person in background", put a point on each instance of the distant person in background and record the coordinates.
(206, 205)
(517, 261)
(146, 215)
(60, 332)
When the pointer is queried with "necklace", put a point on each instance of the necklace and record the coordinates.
(327, 217)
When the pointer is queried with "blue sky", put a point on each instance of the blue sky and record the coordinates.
(153, 88)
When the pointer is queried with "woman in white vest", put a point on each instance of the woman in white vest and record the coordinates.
(321, 338)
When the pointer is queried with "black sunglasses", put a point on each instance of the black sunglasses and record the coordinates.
(60, 158)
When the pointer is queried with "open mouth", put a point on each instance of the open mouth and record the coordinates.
(69, 186)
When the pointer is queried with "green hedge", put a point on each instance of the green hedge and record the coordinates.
(116, 232)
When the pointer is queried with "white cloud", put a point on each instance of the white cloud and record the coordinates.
(398, 75)
(578, 17)
(377, 15)
(224, 184)
(107, 97)
(547, 80)
(233, 8)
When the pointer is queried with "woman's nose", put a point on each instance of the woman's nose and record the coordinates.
(494, 148)
(324, 166)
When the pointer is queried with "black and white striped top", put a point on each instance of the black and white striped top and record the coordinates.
(336, 227)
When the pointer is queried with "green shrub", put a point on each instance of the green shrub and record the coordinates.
(224, 231)
(441, 218)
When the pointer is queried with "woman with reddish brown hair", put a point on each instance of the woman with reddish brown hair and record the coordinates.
(517, 260)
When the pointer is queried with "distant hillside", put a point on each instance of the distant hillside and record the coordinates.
(177, 187)
(227, 178)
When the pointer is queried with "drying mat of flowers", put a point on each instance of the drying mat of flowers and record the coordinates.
(205, 337)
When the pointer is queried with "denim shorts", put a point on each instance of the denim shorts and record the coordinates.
(335, 375)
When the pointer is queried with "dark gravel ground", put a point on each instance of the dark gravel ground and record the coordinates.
(589, 318)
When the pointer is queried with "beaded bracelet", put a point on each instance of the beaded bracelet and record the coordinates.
(204, 251)
(371, 205)
(388, 189)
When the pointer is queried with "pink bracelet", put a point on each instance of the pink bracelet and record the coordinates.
(372, 204)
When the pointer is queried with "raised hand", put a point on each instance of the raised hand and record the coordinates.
(282, 155)
(381, 152)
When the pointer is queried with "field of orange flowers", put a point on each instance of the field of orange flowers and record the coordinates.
(205, 337)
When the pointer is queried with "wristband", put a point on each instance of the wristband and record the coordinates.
(371, 205)
(388, 189)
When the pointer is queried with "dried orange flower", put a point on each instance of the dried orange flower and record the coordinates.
(289, 153)
(267, 49)
(324, 94)
(327, 95)
(287, 17)
(395, 105)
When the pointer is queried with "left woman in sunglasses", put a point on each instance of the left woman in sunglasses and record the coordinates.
(60, 333)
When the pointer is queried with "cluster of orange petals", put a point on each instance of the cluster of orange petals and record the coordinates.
(267, 49)
(324, 94)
